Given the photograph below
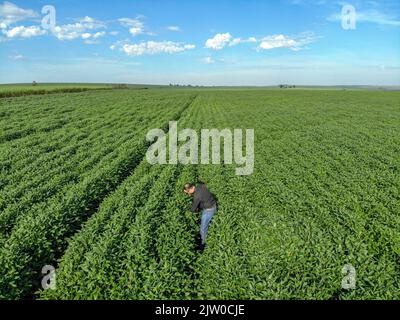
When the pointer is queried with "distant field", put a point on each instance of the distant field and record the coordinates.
(49, 86)
(15, 90)
(76, 192)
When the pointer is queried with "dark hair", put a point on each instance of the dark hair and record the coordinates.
(188, 186)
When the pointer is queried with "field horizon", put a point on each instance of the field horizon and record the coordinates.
(133, 85)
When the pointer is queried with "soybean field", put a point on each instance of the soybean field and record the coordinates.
(77, 193)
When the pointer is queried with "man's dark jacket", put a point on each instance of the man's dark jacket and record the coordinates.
(203, 199)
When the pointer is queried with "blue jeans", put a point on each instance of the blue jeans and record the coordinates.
(206, 218)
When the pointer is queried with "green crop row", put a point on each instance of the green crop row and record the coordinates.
(324, 194)
(144, 241)
(114, 216)
(20, 93)
(286, 232)
(27, 156)
(313, 208)
(87, 156)
(40, 236)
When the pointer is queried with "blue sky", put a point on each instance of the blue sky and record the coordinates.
(201, 42)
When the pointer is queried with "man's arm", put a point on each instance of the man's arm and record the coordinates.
(195, 205)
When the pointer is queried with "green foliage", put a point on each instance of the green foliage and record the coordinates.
(37, 235)
(77, 192)
(19, 90)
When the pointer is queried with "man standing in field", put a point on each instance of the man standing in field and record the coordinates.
(202, 200)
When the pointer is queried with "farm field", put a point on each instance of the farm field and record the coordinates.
(77, 193)
(17, 90)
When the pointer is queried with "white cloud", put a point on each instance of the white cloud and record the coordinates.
(136, 27)
(153, 47)
(281, 41)
(370, 16)
(78, 30)
(99, 34)
(238, 41)
(86, 35)
(17, 57)
(219, 41)
(208, 60)
(235, 42)
(88, 20)
(11, 13)
(277, 41)
(92, 38)
(67, 32)
(24, 32)
(93, 35)
(174, 28)
(135, 31)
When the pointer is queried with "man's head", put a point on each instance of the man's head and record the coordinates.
(189, 189)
